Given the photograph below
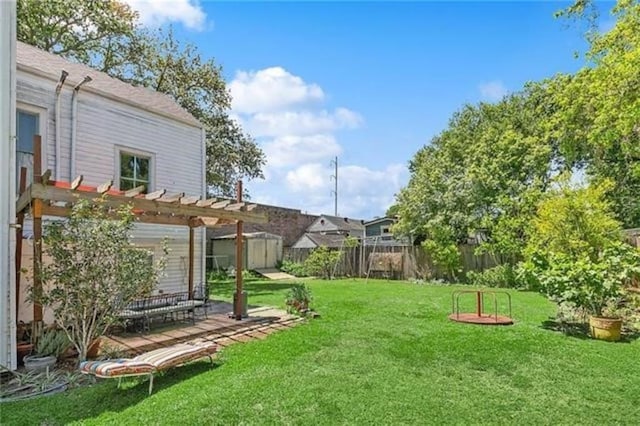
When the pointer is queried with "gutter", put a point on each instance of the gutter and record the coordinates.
(74, 120)
(58, 138)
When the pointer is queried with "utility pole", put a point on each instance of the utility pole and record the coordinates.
(334, 176)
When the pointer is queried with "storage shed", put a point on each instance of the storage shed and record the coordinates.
(261, 250)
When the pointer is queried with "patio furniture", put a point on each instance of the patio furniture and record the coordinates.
(170, 305)
(479, 317)
(149, 363)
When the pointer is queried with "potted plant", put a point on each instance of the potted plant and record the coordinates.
(51, 344)
(298, 298)
(576, 256)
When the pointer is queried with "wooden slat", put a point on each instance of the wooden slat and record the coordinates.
(207, 202)
(46, 177)
(104, 187)
(135, 191)
(187, 201)
(59, 211)
(220, 204)
(24, 200)
(251, 207)
(155, 195)
(113, 200)
(76, 182)
(175, 198)
(234, 206)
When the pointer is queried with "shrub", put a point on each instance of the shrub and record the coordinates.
(298, 298)
(296, 269)
(322, 262)
(501, 276)
(219, 274)
(575, 253)
(95, 271)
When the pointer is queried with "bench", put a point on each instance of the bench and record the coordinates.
(169, 305)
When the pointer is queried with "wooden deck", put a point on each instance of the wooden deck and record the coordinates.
(218, 327)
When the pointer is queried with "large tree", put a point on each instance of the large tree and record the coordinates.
(597, 119)
(107, 35)
(482, 175)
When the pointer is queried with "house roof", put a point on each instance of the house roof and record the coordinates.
(380, 220)
(344, 223)
(331, 241)
(39, 62)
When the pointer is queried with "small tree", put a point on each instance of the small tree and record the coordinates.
(94, 271)
(321, 262)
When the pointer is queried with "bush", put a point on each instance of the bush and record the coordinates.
(296, 269)
(322, 262)
(219, 274)
(298, 298)
(501, 276)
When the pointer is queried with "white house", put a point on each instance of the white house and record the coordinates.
(104, 129)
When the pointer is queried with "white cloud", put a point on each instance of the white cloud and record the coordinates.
(299, 134)
(271, 89)
(159, 12)
(301, 122)
(293, 149)
(493, 90)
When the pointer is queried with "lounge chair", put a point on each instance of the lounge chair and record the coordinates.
(149, 363)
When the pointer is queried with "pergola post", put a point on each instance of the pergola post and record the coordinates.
(191, 256)
(37, 230)
(19, 232)
(237, 308)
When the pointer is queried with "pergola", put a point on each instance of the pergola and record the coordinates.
(46, 197)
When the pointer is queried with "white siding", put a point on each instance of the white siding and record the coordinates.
(103, 125)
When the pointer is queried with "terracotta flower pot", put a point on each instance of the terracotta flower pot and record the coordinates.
(94, 348)
(603, 328)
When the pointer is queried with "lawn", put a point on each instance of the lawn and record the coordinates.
(382, 352)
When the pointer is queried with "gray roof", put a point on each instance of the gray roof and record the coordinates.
(36, 61)
(330, 241)
(250, 236)
(345, 223)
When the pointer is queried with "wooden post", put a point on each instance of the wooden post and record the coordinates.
(19, 231)
(37, 229)
(237, 308)
(191, 255)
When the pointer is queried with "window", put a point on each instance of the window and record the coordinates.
(385, 230)
(27, 126)
(135, 170)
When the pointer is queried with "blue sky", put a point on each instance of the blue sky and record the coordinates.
(368, 82)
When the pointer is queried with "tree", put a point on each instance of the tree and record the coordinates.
(481, 176)
(597, 117)
(107, 35)
(94, 271)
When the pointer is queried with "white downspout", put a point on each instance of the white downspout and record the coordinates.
(7, 183)
(74, 121)
(203, 267)
(63, 77)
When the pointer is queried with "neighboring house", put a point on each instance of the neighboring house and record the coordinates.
(330, 231)
(378, 233)
(334, 225)
(104, 129)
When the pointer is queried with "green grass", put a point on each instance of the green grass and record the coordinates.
(382, 352)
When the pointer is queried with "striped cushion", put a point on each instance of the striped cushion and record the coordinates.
(176, 354)
(114, 368)
(149, 362)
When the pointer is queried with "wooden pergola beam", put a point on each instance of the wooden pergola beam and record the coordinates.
(54, 193)
(58, 211)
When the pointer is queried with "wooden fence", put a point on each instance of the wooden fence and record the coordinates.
(396, 262)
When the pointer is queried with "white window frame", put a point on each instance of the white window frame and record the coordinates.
(387, 228)
(138, 153)
(43, 121)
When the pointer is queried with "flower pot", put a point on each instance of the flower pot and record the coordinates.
(22, 350)
(39, 363)
(602, 328)
(94, 348)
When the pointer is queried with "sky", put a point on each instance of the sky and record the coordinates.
(367, 82)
